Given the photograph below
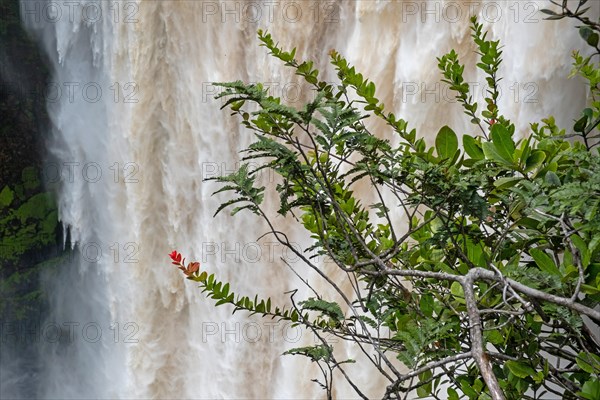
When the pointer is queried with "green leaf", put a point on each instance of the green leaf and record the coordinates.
(494, 337)
(452, 394)
(237, 105)
(534, 160)
(588, 362)
(580, 124)
(528, 222)
(552, 179)
(589, 35)
(457, 291)
(520, 369)
(315, 353)
(544, 261)
(588, 289)
(422, 391)
(446, 143)
(585, 32)
(591, 390)
(330, 309)
(506, 182)
(468, 390)
(426, 303)
(584, 253)
(472, 148)
(503, 142)
(6, 196)
(491, 153)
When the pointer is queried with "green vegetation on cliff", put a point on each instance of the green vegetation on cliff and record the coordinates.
(28, 217)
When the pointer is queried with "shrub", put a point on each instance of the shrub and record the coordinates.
(489, 287)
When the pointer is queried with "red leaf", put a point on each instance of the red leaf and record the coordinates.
(175, 256)
(193, 267)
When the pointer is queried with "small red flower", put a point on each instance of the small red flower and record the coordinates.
(176, 257)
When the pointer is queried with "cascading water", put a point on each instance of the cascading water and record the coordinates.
(136, 130)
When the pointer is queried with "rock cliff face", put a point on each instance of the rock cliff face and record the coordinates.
(28, 217)
(23, 78)
(29, 228)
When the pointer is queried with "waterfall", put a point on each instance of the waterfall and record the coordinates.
(136, 129)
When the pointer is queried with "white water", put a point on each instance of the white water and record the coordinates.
(160, 338)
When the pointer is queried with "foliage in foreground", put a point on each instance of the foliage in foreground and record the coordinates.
(489, 286)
